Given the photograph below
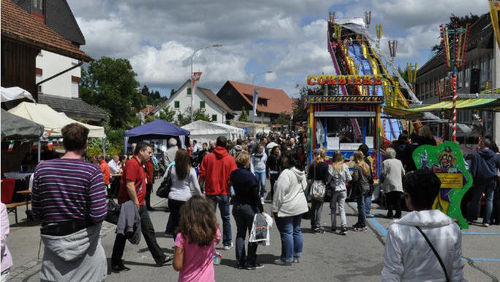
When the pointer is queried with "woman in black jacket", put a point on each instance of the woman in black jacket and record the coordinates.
(318, 177)
(246, 204)
(274, 166)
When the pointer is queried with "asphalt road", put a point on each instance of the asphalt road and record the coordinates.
(326, 257)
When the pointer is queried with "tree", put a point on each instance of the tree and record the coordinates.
(244, 114)
(110, 83)
(460, 22)
(284, 118)
(167, 114)
(300, 104)
(200, 114)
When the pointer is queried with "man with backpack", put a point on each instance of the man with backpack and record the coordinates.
(484, 170)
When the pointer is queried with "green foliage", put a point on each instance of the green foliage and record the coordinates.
(95, 147)
(167, 114)
(151, 97)
(244, 114)
(284, 118)
(200, 114)
(110, 83)
(300, 109)
(183, 119)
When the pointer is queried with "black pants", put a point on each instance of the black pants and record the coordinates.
(394, 202)
(148, 232)
(147, 197)
(175, 208)
(115, 187)
(243, 215)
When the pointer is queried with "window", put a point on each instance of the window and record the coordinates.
(176, 104)
(214, 117)
(202, 104)
(189, 91)
(75, 89)
(37, 6)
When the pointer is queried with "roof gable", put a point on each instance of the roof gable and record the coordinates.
(277, 99)
(171, 98)
(212, 97)
(20, 26)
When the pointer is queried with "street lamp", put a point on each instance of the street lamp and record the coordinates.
(254, 93)
(193, 82)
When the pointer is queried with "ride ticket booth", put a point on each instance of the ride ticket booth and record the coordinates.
(343, 123)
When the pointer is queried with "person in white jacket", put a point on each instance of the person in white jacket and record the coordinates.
(408, 256)
(289, 203)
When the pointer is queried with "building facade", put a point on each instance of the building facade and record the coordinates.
(433, 82)
(204, 100)
(270, 103)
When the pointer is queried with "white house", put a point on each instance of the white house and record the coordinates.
(204, 98)
(60, 75)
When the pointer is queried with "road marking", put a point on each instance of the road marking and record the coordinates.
(379, 226)
(480, 233)
(481, 259)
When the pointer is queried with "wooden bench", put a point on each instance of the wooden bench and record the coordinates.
(12, 207)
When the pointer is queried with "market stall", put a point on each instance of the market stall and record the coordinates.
(204, 131)
(158, 132)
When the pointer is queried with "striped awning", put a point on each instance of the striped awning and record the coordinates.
(461, 104)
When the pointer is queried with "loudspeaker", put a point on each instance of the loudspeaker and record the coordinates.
(475, 75)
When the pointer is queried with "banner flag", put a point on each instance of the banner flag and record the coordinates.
(255, 99)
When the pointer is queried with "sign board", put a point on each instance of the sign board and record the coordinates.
(353, 99)
(344, 79)
(333, 143)
(446, 160)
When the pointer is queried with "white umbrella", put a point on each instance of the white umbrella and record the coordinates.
(15, 93)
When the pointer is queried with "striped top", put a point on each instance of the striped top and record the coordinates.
(68, 189)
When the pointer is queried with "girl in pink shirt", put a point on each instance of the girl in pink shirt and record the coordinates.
(195, 242)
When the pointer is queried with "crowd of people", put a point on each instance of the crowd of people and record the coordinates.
(69, 197)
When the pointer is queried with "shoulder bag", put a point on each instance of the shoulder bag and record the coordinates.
(165, 185)
(435, 253)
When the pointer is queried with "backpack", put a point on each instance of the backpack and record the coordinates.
(318, 189)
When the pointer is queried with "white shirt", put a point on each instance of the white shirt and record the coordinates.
(113, 167)
(408, 257)
(181, 189)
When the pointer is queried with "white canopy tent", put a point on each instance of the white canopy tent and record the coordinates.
(52, 121)
(204, 131)
(15, 93)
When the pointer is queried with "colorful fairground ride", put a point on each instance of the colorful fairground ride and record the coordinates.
(352, 109)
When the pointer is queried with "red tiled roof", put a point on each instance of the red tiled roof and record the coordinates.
(277, 99)
(210, 95)
(148, 110)
(19, 25)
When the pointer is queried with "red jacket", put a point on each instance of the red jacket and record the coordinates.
(106, 173)
(216, 169)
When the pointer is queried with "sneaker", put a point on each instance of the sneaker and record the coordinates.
(356, 225)
(343, 230)
(361, 229)
(255, 266)
(239, 266)
(281, 262)
(165, 260)
(228, 247)
(333, 229)
(262, 200)
(296, 260)
(486, 225)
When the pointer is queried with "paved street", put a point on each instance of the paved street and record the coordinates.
(328, 256)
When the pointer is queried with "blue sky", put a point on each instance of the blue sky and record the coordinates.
(286, 36)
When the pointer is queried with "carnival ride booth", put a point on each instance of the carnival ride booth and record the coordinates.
(349, 111)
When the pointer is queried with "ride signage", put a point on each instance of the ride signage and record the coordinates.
(315, 99)
(344, 79)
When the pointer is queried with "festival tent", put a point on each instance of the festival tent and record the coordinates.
(157, 129)
(17, 127)
(204, 131)
(51, 120)
(15, 93)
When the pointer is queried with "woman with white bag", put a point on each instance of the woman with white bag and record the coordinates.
(246, 204)
(318, 176)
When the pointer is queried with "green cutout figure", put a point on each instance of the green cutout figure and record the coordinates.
(446, 160)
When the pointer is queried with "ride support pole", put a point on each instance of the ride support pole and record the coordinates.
(454, 85)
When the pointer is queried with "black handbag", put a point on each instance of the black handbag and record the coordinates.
(113, 211)
(165, 185)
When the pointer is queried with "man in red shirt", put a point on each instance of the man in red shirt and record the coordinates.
(215, 171)
(133, 187)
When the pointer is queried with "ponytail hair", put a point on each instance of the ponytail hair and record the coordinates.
(359, 160)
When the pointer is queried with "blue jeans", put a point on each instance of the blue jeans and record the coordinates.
(368, 203)
(261, 180)
(291, 237)
(488, 188)
(223, 201)
(361, 207)
(243, 215)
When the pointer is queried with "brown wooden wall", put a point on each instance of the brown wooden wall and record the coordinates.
(232, 98)
(19, 66)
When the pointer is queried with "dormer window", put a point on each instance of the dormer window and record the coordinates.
(38, 10)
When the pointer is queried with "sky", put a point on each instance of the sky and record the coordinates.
(287, 37)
